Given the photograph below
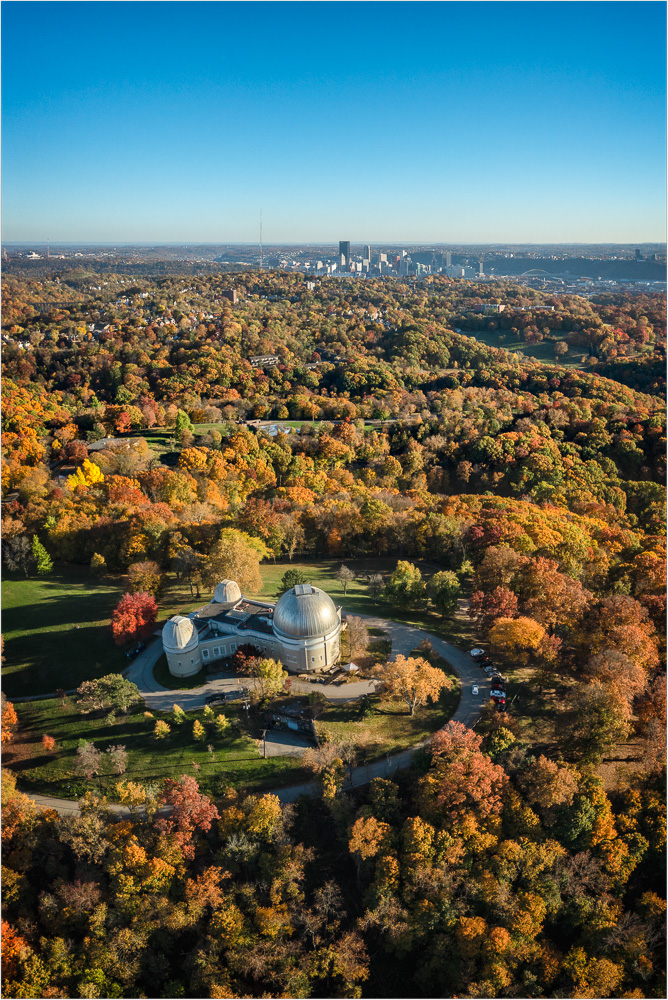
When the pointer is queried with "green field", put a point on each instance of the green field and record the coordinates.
(456, 628)
(56, 630)
(543, 352)
(235, 759)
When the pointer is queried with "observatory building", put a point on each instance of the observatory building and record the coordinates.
(302, 630)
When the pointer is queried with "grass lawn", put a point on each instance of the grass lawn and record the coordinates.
(357, 600)
(234, 761)
(544, 351)
(44, 648)
(56, 630)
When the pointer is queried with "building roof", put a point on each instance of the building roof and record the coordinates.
(305, 612)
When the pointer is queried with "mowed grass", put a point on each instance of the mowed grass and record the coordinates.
(234, 760)
(544, 351)
(56, 630)
(456, 628)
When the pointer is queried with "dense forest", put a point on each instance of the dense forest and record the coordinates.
(131, 443)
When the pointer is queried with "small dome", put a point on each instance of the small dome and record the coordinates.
(305, 612)
(227, 592)
(179, 634)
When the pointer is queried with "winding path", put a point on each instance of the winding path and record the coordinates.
(404, 638)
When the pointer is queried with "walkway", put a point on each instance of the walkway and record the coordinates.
(405, 638)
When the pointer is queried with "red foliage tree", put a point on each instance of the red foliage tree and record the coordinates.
(462, 779)
(500, 603)
(190, 811)
(133, 618)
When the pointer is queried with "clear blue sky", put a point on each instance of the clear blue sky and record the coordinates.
(133, 121)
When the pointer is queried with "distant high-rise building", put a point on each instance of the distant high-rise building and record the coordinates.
(448, 258)
(367, 253)
(382, 258)
(638, 255)
(344, 249)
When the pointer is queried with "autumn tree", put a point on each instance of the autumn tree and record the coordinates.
(516, 638)
(9, 720)
(190, 812)
(270, 678)
(133, 618)
(89, 760)
(413, 680)
(235, 556)
(345, 577)
(486, 608)
(356, 636)
(118, 759)
(18, 555)
(145, 577)
(462, 779)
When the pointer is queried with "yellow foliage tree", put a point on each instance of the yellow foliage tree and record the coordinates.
(516, 637)
(413, 680)
(86, 475)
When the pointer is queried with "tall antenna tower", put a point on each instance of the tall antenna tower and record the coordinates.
(260, 239)
(48, 249)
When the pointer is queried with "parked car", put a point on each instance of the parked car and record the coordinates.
(216, 699)
(500, 706)
(489, 671)
(136, 650)
(498, 693)
(474, 689)
(498, 679)
(478, 654)
(485, 662)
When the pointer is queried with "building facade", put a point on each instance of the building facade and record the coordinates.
(302, 630)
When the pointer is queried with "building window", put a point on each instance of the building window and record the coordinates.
(205, 654)
(216, 650)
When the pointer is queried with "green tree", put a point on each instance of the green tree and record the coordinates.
(291, 578)
(182, 423)
(43, 561)
(405, 588)
(445, 591)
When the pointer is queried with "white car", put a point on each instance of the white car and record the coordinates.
(475, 653)
(474, 689)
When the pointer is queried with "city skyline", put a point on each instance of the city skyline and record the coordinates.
(181, 121)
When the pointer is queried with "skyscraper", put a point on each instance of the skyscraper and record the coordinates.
(448, 258)
(367, 253)
(344, 249)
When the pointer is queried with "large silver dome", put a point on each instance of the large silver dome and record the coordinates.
(305, 612)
